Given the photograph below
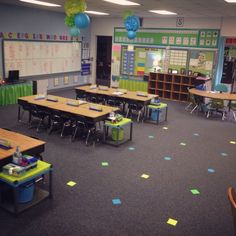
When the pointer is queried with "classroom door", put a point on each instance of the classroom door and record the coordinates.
(103, 63)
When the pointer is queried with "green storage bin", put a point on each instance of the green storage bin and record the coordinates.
(114, 134)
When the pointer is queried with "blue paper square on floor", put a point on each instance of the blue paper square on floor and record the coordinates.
(116, 201)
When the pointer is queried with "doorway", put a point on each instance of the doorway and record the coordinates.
(103, 63)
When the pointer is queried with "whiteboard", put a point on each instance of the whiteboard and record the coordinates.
(34, 58)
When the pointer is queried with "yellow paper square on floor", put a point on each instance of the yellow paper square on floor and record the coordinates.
(172, 222)
(71, 183)
(145, 176)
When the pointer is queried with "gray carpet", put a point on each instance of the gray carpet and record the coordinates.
(146, 204)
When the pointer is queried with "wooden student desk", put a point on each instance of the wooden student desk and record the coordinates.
(61, 105)
(28, 145)
(128, 97)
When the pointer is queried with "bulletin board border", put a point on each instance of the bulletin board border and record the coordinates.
(148, 36)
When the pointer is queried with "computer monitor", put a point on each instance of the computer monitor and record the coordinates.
(13, 76)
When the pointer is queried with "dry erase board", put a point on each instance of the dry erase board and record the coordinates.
(33, 58)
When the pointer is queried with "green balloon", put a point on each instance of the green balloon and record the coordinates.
(69, 21)
(73, 7)
(127, 13)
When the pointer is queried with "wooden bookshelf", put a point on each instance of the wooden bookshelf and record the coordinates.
(170, 86)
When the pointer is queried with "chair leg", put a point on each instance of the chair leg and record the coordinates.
(39, 124)
(51, 128)
(74, 135)
(234, 114)
(188, 106)
(208, 114)
(127, 113)
(194, 109)
(139, 114)
(87, 138)
(63, 129)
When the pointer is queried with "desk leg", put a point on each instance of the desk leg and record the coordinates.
(50, 184)
(131, 131)
(18, 115)
(15, 192)
(159, 111)
(166, 113)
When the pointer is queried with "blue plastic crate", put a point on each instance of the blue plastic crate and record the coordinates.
(158, 114)
(26, 192)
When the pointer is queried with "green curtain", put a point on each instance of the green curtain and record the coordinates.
(10, 93)
(133, 85)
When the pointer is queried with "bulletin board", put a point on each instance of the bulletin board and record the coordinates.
(143, 60)
(33, 58)
(201, 61)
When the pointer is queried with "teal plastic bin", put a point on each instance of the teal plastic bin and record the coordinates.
(26, 192)
(158, 113)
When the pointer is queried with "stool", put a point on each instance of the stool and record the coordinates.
(117, 132)
(157, 113)
(16, 183)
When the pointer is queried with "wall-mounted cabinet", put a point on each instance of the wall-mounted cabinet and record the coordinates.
(170, 86)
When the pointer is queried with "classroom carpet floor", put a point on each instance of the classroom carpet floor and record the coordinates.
(172, 179)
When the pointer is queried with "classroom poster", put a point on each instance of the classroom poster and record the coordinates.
(201, 61)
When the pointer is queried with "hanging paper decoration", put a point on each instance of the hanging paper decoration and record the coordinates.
(73, 7)
(126, 14)
(76, 19)
(131, 23)
(82, 20)
(70, 21)
(74, 32)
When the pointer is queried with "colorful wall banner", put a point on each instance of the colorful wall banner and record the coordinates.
(39, 36)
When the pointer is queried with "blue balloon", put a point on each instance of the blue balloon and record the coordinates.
(74, 32)
(82, 20)
(131, 34)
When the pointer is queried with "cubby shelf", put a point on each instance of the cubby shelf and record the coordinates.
(170, 86)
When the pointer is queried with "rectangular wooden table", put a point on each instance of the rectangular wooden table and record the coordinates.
(27, 145)
(128, 97)
(61, 105)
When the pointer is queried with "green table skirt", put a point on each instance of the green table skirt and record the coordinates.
(133, 85)
(10, 93)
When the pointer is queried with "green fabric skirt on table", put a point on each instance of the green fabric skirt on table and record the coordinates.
(10, 93)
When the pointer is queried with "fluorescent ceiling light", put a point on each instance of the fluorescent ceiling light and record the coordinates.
(230, 1)
(123, 2)
(163, 12)
(97, 13)
(47, 4)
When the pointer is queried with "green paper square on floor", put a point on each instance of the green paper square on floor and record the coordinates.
(105, 164)
(145, 176)
(71, 183)
(194, 191)
(172, 222)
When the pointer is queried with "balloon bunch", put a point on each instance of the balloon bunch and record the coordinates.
(76, 19)
(132, 24)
